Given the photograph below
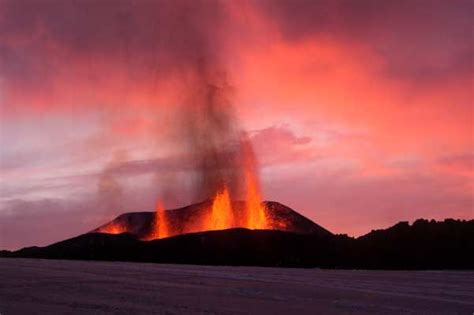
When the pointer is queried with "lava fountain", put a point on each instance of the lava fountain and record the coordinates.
(220, 164)
(225, 174)
(160, 226)
(255, 210)
(221, 214)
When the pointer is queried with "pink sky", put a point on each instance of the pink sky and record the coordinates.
(360, 112)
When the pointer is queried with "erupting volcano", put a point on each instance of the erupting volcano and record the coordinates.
(218, 214)
(225, 175)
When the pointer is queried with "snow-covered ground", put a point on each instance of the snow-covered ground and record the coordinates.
(35, 286)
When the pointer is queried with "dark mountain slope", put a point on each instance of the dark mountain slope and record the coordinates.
(423, 245)
(226, 247)
(282, 217)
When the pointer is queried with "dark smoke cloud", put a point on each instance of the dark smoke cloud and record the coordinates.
(402, 32)
(148, 40)
(211, 133)
(173, 30)
(154, 39)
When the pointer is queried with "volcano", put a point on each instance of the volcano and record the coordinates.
(194, 218)
(294, 242)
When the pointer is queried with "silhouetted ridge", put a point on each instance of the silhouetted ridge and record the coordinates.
(422, 245)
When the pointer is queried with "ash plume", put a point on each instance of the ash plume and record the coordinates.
(210, 132)
(189, 40)
(207, 125)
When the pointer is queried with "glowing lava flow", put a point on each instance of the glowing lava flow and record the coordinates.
(256, 213)
(160, 223)
(222, 216)
(113, 228)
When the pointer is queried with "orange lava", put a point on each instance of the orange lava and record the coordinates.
(222, 215)
(113, 228)
(256, 213)
(160, 227)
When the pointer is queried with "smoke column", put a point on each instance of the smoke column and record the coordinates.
(207, 124)
(211, 134)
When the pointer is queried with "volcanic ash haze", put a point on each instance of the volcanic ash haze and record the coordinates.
(224, 164)
(225, 167)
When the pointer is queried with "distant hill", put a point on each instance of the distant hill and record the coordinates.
(422, 245)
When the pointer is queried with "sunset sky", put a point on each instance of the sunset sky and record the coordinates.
(360, 112)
